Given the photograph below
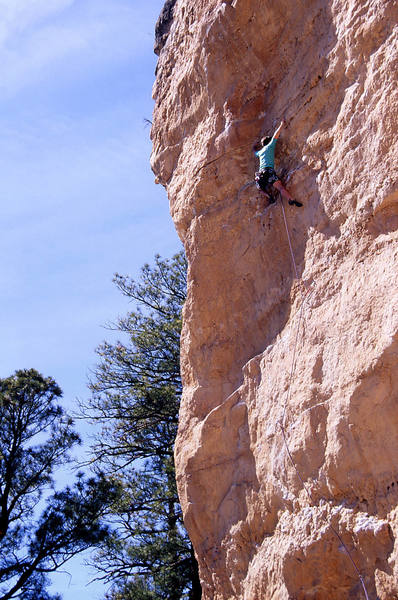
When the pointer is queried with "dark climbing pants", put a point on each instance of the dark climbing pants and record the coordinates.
(265, 179)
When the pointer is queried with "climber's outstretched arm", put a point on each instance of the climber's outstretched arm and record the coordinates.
(277, 132)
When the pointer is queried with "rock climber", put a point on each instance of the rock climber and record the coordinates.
(266, 176)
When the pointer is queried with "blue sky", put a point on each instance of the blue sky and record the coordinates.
(77, 196)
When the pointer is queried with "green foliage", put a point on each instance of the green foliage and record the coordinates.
(35, 438)
(136, 392)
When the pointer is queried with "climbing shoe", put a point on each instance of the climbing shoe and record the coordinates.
(296, 203)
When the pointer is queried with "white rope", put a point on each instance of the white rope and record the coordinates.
(282, 422)
(288, 237)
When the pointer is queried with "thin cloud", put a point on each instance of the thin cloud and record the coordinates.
(16, 16)
(36, 45)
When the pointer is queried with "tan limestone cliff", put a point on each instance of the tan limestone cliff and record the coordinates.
(253, 354)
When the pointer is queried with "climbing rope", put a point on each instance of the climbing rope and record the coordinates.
(333, 529)
(305, 299)
(288, 237)
(306, 296)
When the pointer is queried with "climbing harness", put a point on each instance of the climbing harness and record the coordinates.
(309, 289)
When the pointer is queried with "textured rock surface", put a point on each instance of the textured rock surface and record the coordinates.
(228, 72)
(163, 25)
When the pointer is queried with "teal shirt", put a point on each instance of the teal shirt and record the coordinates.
(267, 155)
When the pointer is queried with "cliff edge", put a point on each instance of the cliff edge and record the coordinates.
(287, 452)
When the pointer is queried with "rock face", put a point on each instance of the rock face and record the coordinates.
(163, 25)
(257, 351)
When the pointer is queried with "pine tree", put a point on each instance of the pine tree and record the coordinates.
(136, 390)
(35, 439)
